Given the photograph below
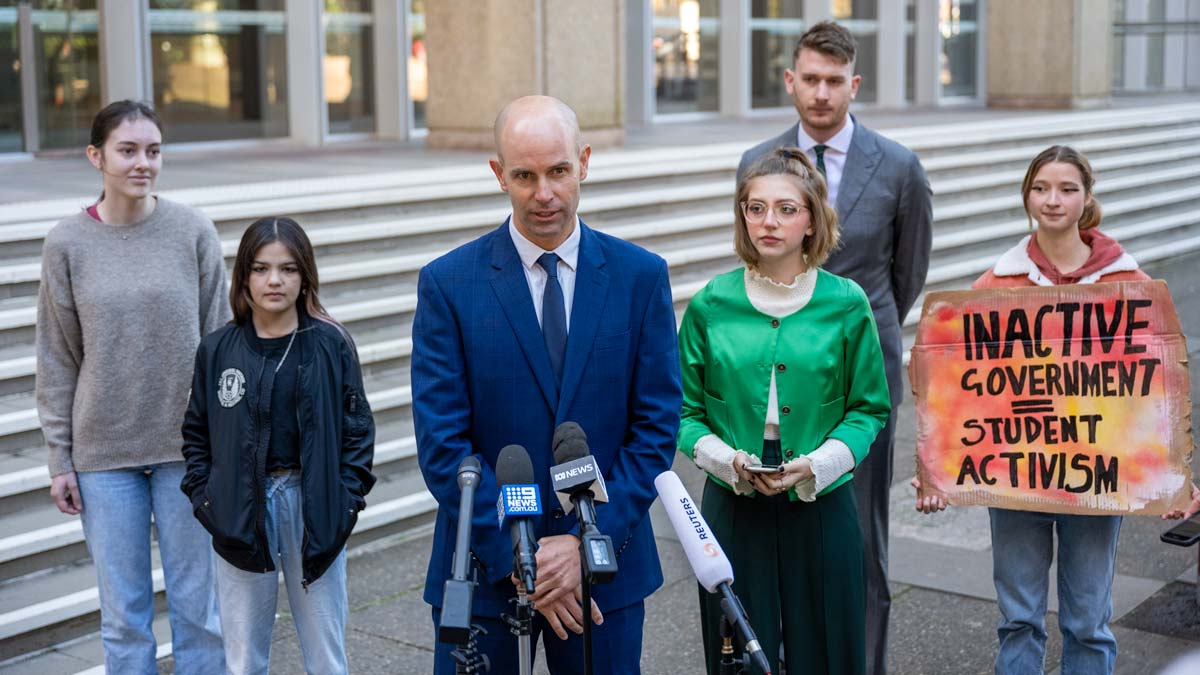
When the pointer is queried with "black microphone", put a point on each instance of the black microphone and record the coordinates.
(457, 593)
(519, 499)
(579, 483)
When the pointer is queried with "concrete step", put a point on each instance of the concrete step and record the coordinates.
(30, 221)
(61, 603)
(673, 201)
(39, 536)
(1109, 168)
(1018, 157)
(17, 316)
(18, 414)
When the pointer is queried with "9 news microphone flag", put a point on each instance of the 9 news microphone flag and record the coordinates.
(519, 500)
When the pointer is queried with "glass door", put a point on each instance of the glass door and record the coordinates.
(219, 68)
(10, 79)
(67, 70)
(349, 66)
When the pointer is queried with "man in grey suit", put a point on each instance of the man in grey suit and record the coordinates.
(884, 209)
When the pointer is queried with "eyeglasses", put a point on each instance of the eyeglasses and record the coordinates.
(786, 213)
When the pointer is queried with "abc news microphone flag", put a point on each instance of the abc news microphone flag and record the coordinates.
(1063, 399)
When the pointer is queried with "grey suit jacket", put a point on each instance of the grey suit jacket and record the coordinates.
(885, 213)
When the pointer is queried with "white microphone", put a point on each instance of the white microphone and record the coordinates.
(708, 561)
(703, 551)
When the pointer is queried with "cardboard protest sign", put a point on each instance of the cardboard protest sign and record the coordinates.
(1065, 399)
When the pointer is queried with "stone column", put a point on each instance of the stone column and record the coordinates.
(308, 113)
(1049, 53)
(485, 53)
(890, 65)
(125, 42)
(734, 69)
(390, 52)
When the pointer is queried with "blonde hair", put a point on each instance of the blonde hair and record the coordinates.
(822, 217)
(1066, 154)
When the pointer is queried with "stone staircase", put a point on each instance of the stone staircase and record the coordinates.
(373, 233)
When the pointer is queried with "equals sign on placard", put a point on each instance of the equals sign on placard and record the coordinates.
(1030, 406)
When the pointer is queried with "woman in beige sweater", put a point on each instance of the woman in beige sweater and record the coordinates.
(129, 286)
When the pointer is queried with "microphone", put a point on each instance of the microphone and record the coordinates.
(575, 470)
(708, 561)
(457, 593)
(578, 482)
(519, 499)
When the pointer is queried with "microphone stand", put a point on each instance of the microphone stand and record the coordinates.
(467, 659)
(598, 565)
(729, 666)
(587, 616)
(520, 624)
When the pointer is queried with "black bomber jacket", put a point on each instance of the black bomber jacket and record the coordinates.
(226, 436)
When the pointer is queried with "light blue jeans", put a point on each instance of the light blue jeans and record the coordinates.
(249, 599)
(1022, 548)
(117, 506)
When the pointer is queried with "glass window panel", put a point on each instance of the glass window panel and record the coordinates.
(220, 68)
(418, 65)
(861, 18)
(68, 70)
(775, 27)
(685, 43)
(855, 9)
(866, 64)
(1155, 52)
(958, 21)
(1145, 34)
(349, 65)
(10, 79)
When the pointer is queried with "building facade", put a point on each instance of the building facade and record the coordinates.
(317, 71)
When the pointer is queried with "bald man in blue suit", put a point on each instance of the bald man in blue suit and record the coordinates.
(539, 322)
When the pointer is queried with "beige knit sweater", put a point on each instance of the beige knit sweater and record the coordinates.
(121, 310)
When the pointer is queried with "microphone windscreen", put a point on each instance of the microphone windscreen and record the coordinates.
(514, 466)
(569, 442)
(703, 551)
(470, 463)
(571, 449)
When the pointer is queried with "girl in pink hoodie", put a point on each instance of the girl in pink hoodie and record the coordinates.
(1066, 248)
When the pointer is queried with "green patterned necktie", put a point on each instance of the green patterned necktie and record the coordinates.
(820, 150)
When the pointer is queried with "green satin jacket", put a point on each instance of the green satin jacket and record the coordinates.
(828, 365)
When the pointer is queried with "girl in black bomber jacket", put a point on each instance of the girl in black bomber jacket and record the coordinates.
(279, 440)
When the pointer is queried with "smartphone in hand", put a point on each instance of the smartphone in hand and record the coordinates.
(766, 468)
(1185, 533)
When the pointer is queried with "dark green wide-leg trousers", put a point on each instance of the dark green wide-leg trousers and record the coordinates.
(798, 570)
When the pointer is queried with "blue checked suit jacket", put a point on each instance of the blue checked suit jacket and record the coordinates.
(482, 379)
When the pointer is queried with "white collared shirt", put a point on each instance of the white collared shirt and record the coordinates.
(836, 149)
(535, 276)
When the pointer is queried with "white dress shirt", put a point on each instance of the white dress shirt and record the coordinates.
(836, 149)
(535, 276)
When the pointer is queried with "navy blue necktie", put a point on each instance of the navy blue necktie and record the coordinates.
(554, 315)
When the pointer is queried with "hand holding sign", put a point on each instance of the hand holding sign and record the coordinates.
(1066, 399)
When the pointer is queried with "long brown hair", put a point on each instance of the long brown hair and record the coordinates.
(1066, 154)
(289, 233)
(823, 218)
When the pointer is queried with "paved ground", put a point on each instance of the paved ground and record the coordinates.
(944, 612)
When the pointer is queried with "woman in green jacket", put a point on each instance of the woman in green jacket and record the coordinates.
(782, 367)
